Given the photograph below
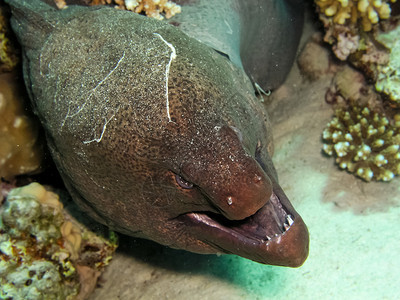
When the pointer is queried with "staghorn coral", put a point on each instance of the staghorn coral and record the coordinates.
(368, 12)
(20, 149)
(41, 255)
(152, 8)
(364, 143)
(388, 79)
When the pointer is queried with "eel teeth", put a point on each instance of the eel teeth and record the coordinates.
(289, 220)
(288, 223)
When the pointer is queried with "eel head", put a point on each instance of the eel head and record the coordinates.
(245, 211)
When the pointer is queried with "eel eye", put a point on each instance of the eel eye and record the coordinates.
(183, 183)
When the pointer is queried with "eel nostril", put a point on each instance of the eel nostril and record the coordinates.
(257, 179)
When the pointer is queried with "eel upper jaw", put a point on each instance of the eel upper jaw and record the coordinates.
(274, 235)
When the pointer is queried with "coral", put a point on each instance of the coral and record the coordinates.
(60, 4)
(388, 79)
(349, 87)
(20, 149)
(368, 12)
(346, 23)
(31, 218)
(346, 45)
(9, 53)
(152, 8)
(41, 255)
(364, 143)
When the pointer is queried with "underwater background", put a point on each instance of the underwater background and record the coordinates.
(353, 217)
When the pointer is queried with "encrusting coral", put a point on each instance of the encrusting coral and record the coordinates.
(44, 253)
(9, 56)
(364, 143)
(388, 78)
(349, 87)
(152, 8)
(20, 149)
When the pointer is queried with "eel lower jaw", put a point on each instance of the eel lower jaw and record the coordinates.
(274, 235)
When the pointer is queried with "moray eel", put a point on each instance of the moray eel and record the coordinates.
(156, 134)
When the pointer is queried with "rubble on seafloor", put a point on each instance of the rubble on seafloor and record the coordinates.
(44, 252)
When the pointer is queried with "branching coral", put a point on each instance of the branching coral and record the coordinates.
(41, 255)
(369, 12)
(20, 150)
(364, 143)
(346, 22)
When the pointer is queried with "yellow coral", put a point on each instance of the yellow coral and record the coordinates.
(153, 8)
(364, 143)
(60, 3)
(72, 237)
(9, 57)
(368, 12)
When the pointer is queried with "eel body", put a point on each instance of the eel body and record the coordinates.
(155, 133)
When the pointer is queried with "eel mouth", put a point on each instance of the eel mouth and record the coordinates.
(275, 234)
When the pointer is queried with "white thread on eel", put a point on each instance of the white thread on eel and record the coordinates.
(98, 140)
(171, 58)
(92, 92)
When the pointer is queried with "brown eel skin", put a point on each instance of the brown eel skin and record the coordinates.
(155, 133)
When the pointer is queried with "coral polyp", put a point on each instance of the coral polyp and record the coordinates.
(364, 143)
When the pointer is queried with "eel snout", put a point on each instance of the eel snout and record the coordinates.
(249, 215)
(242, 196)
(274, 235)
